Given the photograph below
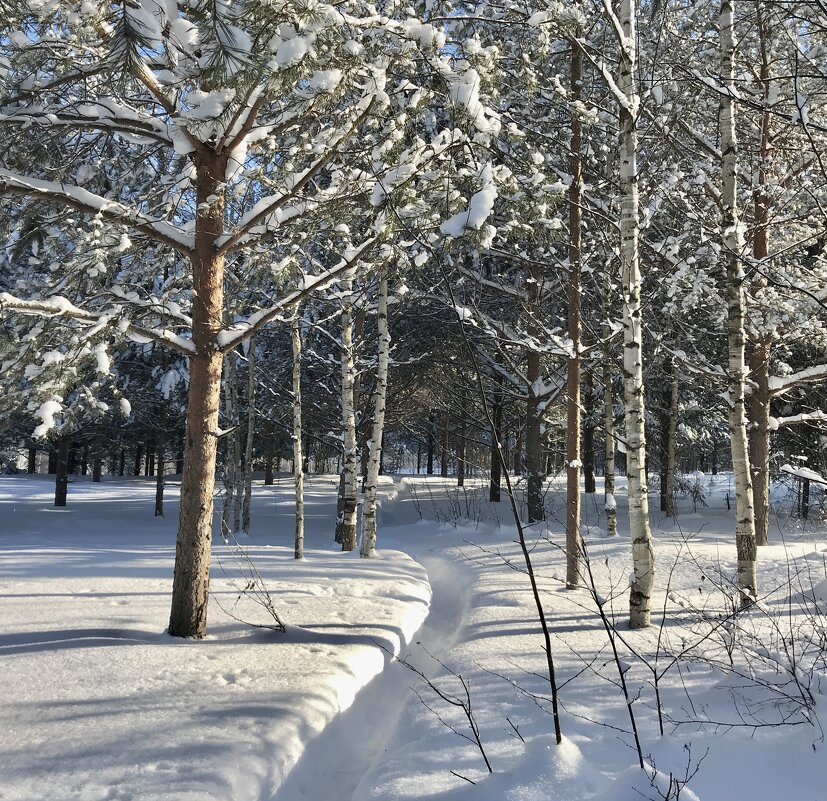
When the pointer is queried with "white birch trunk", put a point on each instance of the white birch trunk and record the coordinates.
(643, 561)
(346, 524)
(369, 514)
(732, 241)
(251, 429)
(298, 467)
(609, 502)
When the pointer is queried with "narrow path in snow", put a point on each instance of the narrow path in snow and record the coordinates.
(335, 761)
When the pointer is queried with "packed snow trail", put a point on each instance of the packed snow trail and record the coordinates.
(335, 761)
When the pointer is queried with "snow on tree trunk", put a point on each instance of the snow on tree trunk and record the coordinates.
(369, 515)
(298, 457)
(346, 524)
(732, 241)
(534, 443)
(643, 561)
(191, 579)
(573, 417)
(533, 421)
(251, 430)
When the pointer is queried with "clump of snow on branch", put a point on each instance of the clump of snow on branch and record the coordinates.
(479, 209)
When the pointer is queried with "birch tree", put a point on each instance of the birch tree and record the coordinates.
(368, 546)
(298, 455)
(643, 563)
(733, 250)
(230, 124)
(346, 524)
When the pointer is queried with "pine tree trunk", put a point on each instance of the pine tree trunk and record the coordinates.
(191, 580)
(429, 468)
(269, 455)
(664, 446)
(672, 440)
(32, 465)
(251, 431)
(62, 471)
(231, 487)
(587, 445)
(159, 475)
(346, 524)
(519, 435)
(97, 469)
(761, 351)
(462, 442)
(139, 459)
(759, 436)
(573, 418)
(369, 515)
(495, 486)
(443, 459)
(643, 560)
(298, 456)
(732, 242)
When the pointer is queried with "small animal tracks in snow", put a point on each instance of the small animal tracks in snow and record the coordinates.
(237, 678)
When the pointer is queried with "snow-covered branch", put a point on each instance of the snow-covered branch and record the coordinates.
(619, 97)
(58, 306)
(817, 416)
(232, 338)
(91, 116)
(809, 375)
(85, 201)
(269, 206)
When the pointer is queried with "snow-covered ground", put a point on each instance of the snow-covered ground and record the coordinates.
(100, 704)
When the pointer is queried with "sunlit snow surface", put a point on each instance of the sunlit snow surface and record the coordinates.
(100, 704)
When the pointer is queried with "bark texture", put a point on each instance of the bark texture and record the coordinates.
(191, 579)
(573, 416)
(759, 436)
(643, 561)
(369, 515)
(609, 503)
(732, 241)
(62, 471)
(298, 457)
(159, 475)
(346, 522)
(248, 445)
